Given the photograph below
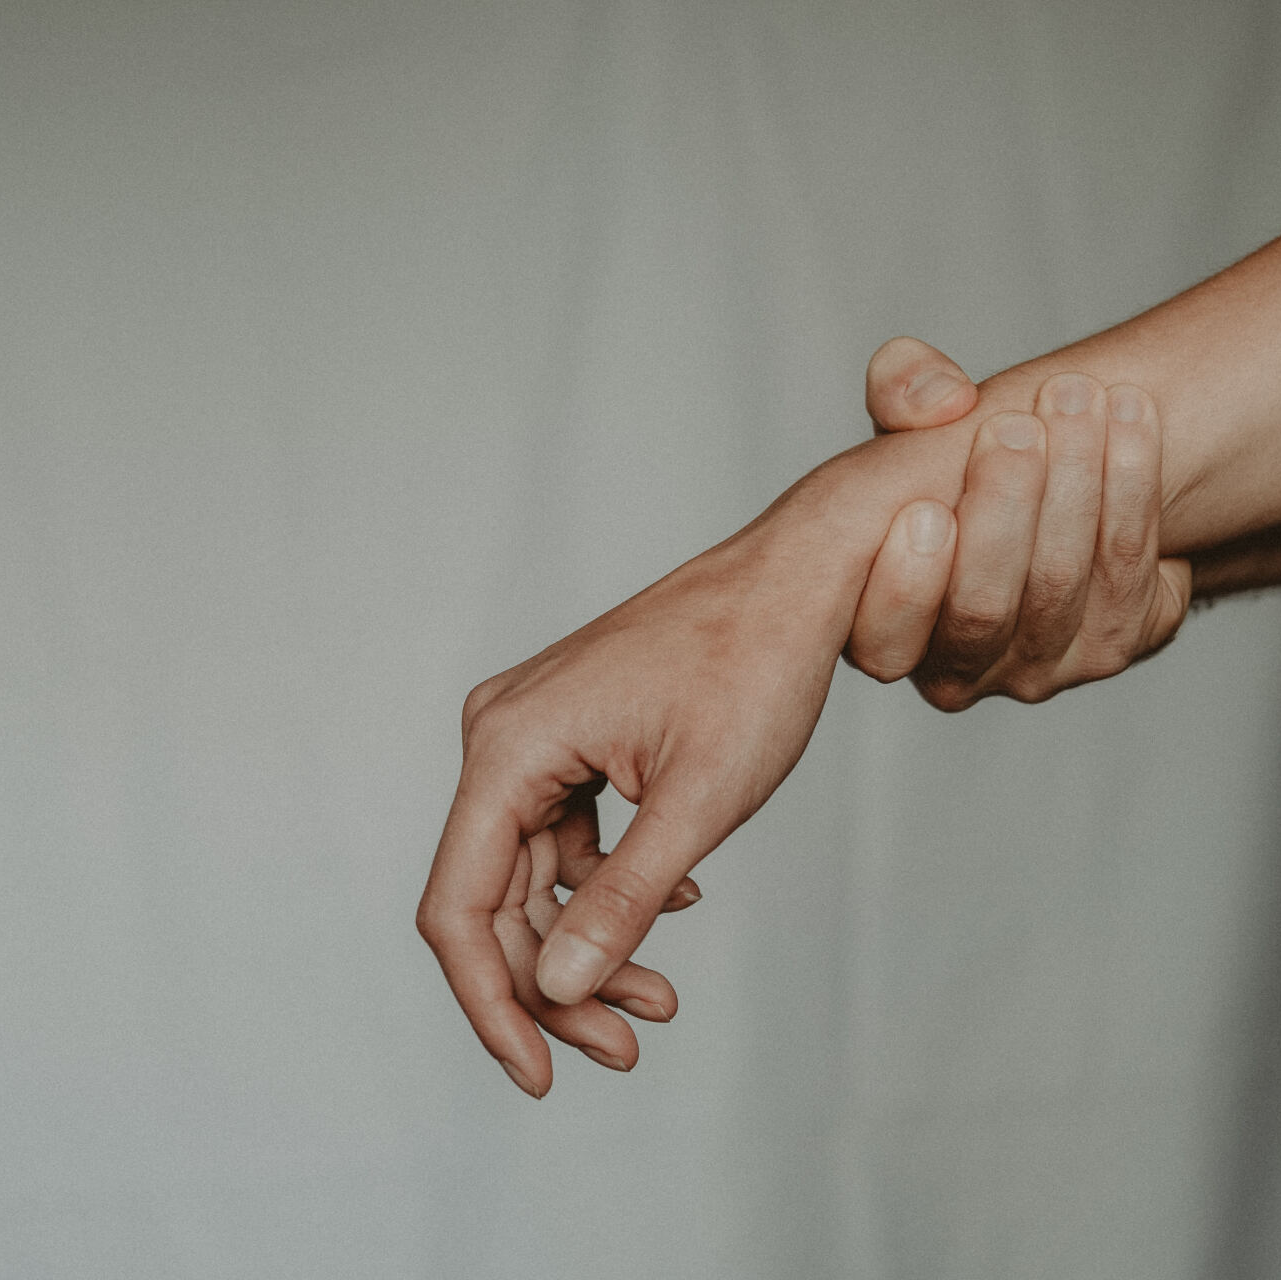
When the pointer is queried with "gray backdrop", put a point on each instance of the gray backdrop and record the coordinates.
(353, 352)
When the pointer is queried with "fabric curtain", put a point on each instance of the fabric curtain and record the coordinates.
(354, 353)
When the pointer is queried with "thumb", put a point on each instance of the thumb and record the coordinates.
(612, 910)
(911, 384)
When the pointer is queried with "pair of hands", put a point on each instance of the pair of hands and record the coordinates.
(695, 698)
(1048, 575)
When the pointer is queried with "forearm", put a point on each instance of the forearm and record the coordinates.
(1211, 358)
(697, 696)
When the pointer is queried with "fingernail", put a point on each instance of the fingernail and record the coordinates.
(570, 968)
(689, 895)
(605, 1059)
(519, 1079)
(1016, 431)
(647, 1009)
(930, 388)
(1127, 404)
(1072, 393)
(927, 528)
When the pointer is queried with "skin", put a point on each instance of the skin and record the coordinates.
(1211, 355)
(1052, 579)
(696, 697)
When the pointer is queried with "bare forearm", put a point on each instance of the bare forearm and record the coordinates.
(1211, 358)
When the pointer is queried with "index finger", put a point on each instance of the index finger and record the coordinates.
(467, 886)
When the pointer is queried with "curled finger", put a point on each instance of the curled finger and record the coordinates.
(1137, 600)
(901, 598)
(589, 1026)
(579, 853)
(996, 530)
(642, 992)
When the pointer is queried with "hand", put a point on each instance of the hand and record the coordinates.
(1050, 575)
(694, 699)
(567, 854)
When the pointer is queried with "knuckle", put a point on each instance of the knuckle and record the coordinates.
(1080, 439)
(1132, 483)
(1029, 687)
(1102, 663)
(949, 695)
(1014, 486)
(481, 707)
(433, 925)
(978, 615)
(973, 630)
(479, 698)
(1041, 644)
(1052, 589)
(1126, 548)
(901, 593)
(912, 600)
(623, 900)
(1050, 613)
(1123, 579)
(1119, 652)
(1112, 646)
(511, 920)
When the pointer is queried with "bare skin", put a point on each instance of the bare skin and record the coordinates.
(696, 697)
(1052, 579)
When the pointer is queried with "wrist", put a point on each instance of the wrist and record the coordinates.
(1196, 464)
(1208, 357)
(841, 511)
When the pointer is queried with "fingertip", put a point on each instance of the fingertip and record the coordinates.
(904, 591)
(1131, 473)
(570, 968)
(1018, 432)
(1070, 394)
(684, 895)
(605, 1059)
(642, 992)
(911, 385)
(935, 397)
(928, 526)
(1130, 404)
(522, 1081)
(649, 1010)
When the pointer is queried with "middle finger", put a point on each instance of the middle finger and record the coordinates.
(996, 524)
(1073, 408)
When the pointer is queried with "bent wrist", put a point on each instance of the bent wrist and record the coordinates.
(839, 514)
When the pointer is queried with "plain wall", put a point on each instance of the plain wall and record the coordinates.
(353, 353)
